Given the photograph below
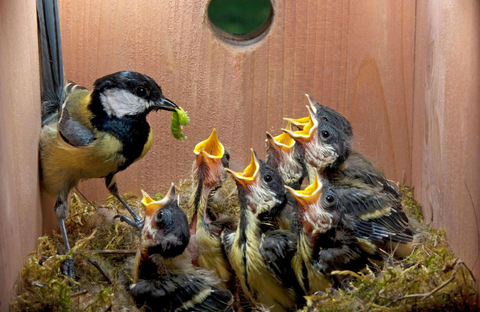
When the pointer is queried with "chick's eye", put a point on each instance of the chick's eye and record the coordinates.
(268, 178)
(330, 199)
(324, 118)
(141, 91)
(325, 134)
(159, 216)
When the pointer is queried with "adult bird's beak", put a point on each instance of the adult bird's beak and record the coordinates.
(307, 134)
(249, 175)
(151, 206)
(166, 104)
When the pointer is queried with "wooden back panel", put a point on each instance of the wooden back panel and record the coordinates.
(405, 73)
(354, 57)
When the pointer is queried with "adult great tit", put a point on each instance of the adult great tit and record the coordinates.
(164, 277)
(89, 134)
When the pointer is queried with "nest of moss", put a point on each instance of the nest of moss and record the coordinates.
(431, 278)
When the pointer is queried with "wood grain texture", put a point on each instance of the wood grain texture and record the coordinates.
(21, 215)
(355, 57)
(446, 145)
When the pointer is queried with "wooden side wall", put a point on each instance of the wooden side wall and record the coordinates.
(446, 133)
(20, 210)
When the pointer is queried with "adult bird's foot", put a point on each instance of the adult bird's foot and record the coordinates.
(68, 268)
(137, 224)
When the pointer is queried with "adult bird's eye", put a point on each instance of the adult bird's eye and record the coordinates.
(325, 134)
(141, 91)
(268, 178)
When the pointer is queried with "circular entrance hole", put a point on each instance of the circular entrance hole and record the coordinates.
(240, 21)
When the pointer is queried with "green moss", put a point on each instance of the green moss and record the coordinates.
(42, 287)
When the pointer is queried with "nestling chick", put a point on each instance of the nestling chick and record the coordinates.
(164, 277)
(327, 238)
(259, 253)
(205, 227)
(328, 149)
(284, 156)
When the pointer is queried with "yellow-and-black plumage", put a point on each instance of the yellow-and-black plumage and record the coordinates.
(89, 134)
(258, 251)
(367, 194)
(205, 227)
(327, 238)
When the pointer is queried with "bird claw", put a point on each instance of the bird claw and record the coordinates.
(68, 268)
(137, 224)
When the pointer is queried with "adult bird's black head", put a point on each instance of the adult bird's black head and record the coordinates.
(128, 93)
(165, 231)
(324, 145)
(260, 188)
(286, 158)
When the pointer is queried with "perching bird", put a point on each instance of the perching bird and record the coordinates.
(327, 238)
(258, 251)
(328, 149)
(205, 227)
(164, 276)
(284, 156)
(89, 134)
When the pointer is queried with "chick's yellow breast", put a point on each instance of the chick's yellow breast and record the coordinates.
(210, 255)
(263, 287)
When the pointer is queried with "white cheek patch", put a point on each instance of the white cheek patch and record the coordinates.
(319, 155)
(290, 169)
(262, 199)
(119, 103)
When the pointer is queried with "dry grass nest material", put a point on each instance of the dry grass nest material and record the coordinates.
(431, 278)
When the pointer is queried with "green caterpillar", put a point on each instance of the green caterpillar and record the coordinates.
(179, 119)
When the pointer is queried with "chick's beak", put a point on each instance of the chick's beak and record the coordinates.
(151, 206)
(309, 196)
(211, 147)
(165, 104)
(249, 175)
(308, 132)
(313, 104)
(300, 123)
(208, 164)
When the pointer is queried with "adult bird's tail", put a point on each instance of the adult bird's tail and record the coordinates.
(51, 62)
